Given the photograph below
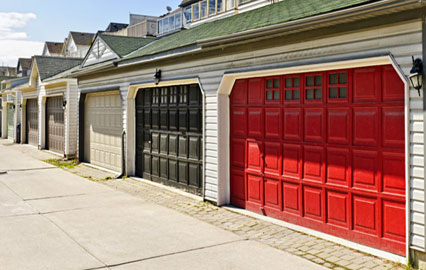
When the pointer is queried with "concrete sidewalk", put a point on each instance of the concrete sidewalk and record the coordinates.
(52, 219)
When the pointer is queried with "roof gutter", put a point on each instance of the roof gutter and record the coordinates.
(313, 22)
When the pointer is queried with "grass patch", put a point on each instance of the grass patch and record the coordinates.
(64, 164)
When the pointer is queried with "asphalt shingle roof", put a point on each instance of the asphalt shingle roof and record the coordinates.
(82, 38)
(49, 66)
(284, 11)
(54, 47)
(25, 63)
(124, 45)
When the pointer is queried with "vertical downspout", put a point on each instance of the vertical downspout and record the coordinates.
(81, 127)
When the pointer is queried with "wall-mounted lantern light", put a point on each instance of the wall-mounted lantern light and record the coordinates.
(13, 106)
(416, 74)
(157, 76)
(64, 104)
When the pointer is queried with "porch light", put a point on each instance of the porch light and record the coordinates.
(416, 74)
(157, 76)
(64, 104)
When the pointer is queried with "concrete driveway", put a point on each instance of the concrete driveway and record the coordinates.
(52, 219)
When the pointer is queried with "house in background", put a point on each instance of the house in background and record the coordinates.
(52, 48)
(24, 66)
(7, 71)
(10, 104)
(46, 105)
(77, 44)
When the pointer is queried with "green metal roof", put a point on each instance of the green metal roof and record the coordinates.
(284, 11)
(122, 45)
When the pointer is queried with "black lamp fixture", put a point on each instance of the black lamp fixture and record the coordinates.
(13, 106)
(157, 76)
(416, 74)
(64, 104)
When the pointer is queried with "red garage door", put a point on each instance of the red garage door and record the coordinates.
(323, 150)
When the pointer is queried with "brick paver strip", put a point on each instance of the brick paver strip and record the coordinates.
(320, 251)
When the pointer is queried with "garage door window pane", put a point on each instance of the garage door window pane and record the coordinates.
(310, 94)
(288, 95)
(333, 92)
(296, 95)
(318, 94)
(343, 78)
(343, 92)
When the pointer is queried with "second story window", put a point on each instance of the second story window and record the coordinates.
(196, 11)
(203, 8)
(170, 23)
(212, 7)
(187, 14)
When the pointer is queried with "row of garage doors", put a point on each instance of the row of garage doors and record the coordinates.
(55, 129)
(323, 150)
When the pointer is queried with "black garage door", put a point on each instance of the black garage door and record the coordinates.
(169, 136)
(55, 128)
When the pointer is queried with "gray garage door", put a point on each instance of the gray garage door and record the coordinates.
(169, 136)
(102, 130)
(55, 128)
(10, 122)
(32, 121)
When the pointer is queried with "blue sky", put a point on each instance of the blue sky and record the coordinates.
(51, 20)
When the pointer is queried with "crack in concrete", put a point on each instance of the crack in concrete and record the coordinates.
(28, 169)
(175, 253)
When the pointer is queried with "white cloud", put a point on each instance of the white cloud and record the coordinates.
(14, 43)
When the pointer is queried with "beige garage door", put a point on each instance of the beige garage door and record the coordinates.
(102, 130)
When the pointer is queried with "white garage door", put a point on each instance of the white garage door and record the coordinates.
(102, 130)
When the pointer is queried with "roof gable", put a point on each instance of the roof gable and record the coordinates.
(82, 39)
(99, 52)
(109, 47)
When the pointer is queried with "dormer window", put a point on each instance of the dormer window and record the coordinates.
(203, 8)
(187, 13)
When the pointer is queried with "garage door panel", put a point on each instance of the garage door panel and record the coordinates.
(393, 127)
(255, 122)
(238, 153)
(291, 198)
(339, 164)
(272, 193)
(338, 208)
(393, 173)
(312, 203)
(338, 126)
(314, 125)
(366, 126)
(393, 221)
(239, 122)
(292, 161)
(273, 123)
(313, 160)
(254, 153)
(272, 158)
(293, 126)
(365, 214)
(254, 188)
(366, 84)
(365, 170)
(392, 85)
